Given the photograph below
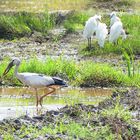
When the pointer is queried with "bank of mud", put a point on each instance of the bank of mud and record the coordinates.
(88, 116)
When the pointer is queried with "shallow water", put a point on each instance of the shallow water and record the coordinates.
(15, 102)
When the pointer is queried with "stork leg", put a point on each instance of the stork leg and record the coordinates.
(41, 98)
(37, 101)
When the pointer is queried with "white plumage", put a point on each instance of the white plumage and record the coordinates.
(90, 28)
(116, 31)
(35, 80)
(114, 18)
(101, 33)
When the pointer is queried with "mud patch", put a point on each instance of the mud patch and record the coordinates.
(88, 116)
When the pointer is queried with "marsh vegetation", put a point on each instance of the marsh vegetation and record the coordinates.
(51, 42)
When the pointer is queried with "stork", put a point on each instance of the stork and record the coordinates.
(35, 80)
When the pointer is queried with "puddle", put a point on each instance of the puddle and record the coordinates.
(15, 102)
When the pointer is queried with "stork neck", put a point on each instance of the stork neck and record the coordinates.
(16, 70)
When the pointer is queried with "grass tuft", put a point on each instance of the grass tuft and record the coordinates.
(23, 24)
(84, 73)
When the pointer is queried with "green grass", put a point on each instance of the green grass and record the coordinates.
(117, 111)
(23, 24)
(76, 21)
(72, 129)
(86, 73)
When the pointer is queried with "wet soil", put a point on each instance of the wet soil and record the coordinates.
(57, 43)
(15, 102)
(40, 46)
(128, 99)
(112, 5)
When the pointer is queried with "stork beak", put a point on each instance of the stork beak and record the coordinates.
(10, 65)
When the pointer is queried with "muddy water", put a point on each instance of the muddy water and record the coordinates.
(15, 102)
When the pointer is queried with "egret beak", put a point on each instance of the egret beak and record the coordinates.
(8, 68)
(111, 15)
(98, 18)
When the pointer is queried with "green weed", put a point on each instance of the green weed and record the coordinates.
(76, 21)
(72, 129)
(117, 111)
(84, 73)
(23, 24)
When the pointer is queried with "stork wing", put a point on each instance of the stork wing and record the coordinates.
(36, 80)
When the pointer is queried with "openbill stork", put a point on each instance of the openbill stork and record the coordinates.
(35, 80)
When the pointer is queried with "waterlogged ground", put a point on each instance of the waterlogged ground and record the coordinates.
(112, 119)
(15, 102)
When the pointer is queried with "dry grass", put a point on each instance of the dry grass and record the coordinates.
(41, 5)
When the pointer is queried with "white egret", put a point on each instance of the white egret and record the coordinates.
(101, 33)
(90, 28)
(116, 31)
(35, 80)
(114, 18)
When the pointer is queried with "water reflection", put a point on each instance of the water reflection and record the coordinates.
(20, 101)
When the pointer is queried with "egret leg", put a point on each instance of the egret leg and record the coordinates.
(117, 42)
(41, 98)
(36, 97)
(89, 43)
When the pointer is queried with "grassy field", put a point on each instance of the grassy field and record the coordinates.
(114, 122)
(23, 24)
(42, 5)
(84, 74)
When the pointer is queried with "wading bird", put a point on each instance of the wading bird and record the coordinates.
(113, 18)
(35, 80)
(101, 32)
(90, 28)
(116, 31)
